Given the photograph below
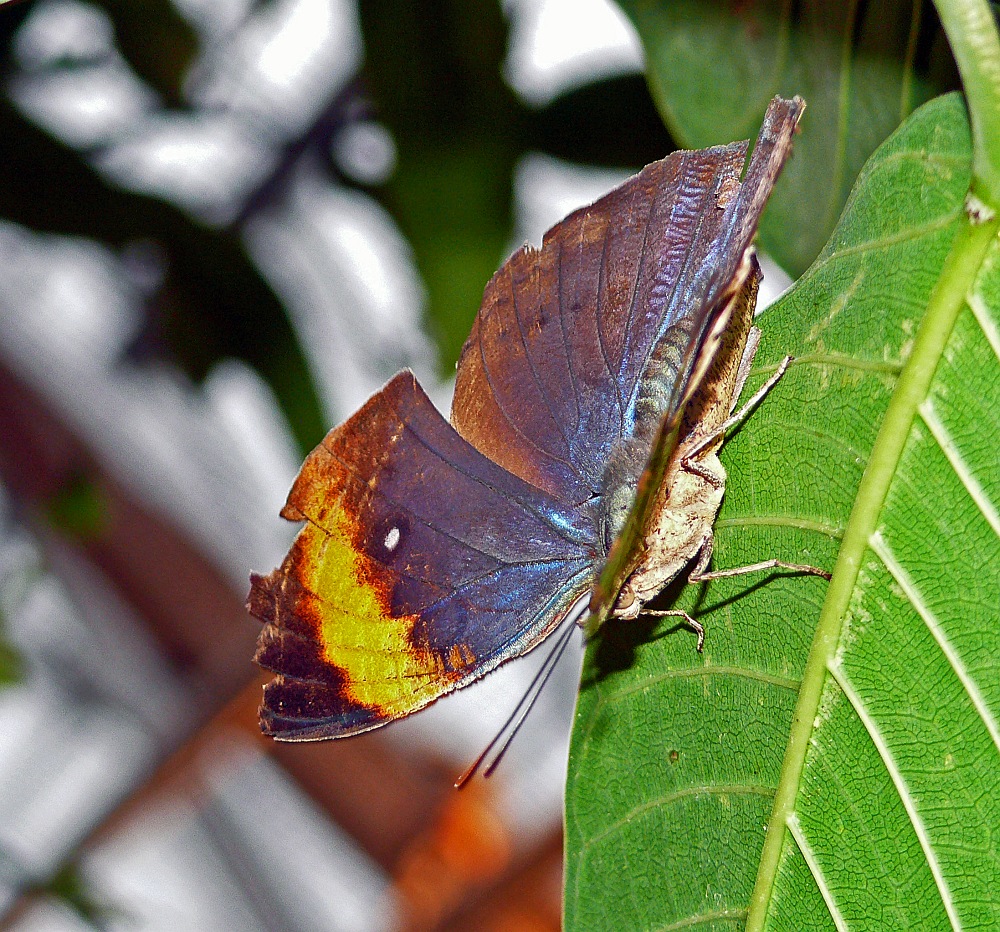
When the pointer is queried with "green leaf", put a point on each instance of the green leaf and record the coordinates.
(70, 887)
(11, 664)
(434, 69)
(971, 26)
(713, 67)
(832, 760)
(78, 508)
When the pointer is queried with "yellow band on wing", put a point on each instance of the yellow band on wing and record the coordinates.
(358, 633)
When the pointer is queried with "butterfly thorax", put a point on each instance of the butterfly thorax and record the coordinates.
(686, 504)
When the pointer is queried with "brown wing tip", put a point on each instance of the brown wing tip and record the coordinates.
(299, 710)
(309, 698)
(782, 111)
(320, 472)
(774, 142)
(262, 598)
(773, 147)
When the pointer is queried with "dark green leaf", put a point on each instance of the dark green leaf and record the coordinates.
(434, 68)
(713, 67)
(78, 509)
(69, 887)
(11, 663)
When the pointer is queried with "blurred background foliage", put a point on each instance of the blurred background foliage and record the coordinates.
(432, 73)
(147, 138)
(180, 181)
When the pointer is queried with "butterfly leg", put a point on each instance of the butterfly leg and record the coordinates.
(758, 395)
(677, 613)
(740, 415)
(704, 471)
(760, 567)
(698, 574)
(704, 555)
(746, 363)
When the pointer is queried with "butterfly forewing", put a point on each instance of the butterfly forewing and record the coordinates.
(732, 277)
(548, 381)
(421, 566)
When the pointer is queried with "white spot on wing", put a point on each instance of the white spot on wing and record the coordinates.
(392, 539)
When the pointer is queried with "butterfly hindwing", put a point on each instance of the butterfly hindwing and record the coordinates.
(549, 378)
(421, 566)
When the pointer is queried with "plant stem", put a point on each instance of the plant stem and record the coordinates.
(972, 34)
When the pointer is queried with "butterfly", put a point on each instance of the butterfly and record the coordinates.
(578, 473)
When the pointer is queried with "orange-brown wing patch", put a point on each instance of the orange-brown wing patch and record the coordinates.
(344, 655)
(422, 565)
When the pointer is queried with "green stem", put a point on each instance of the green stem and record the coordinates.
(972, 34)
(957, 278)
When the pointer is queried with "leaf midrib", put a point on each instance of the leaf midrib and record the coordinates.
(954, 284)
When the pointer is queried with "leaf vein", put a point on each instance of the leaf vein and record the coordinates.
(668, 799)
(690, 922)
(981, 312)
(884, 552)
(950, 449)
(841, 360)
(812, 862)
(882, 242)
(792, 521)
(688, 672)
(899, 782)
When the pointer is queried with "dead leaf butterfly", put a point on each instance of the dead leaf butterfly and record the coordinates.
(578, 474)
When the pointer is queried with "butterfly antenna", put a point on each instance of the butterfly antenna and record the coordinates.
(526, 703)
(538, 684)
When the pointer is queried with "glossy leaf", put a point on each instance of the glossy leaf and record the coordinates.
(713, 66)
(868, 705)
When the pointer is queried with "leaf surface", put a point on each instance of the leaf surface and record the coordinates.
(712, 68)
(853, 723)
